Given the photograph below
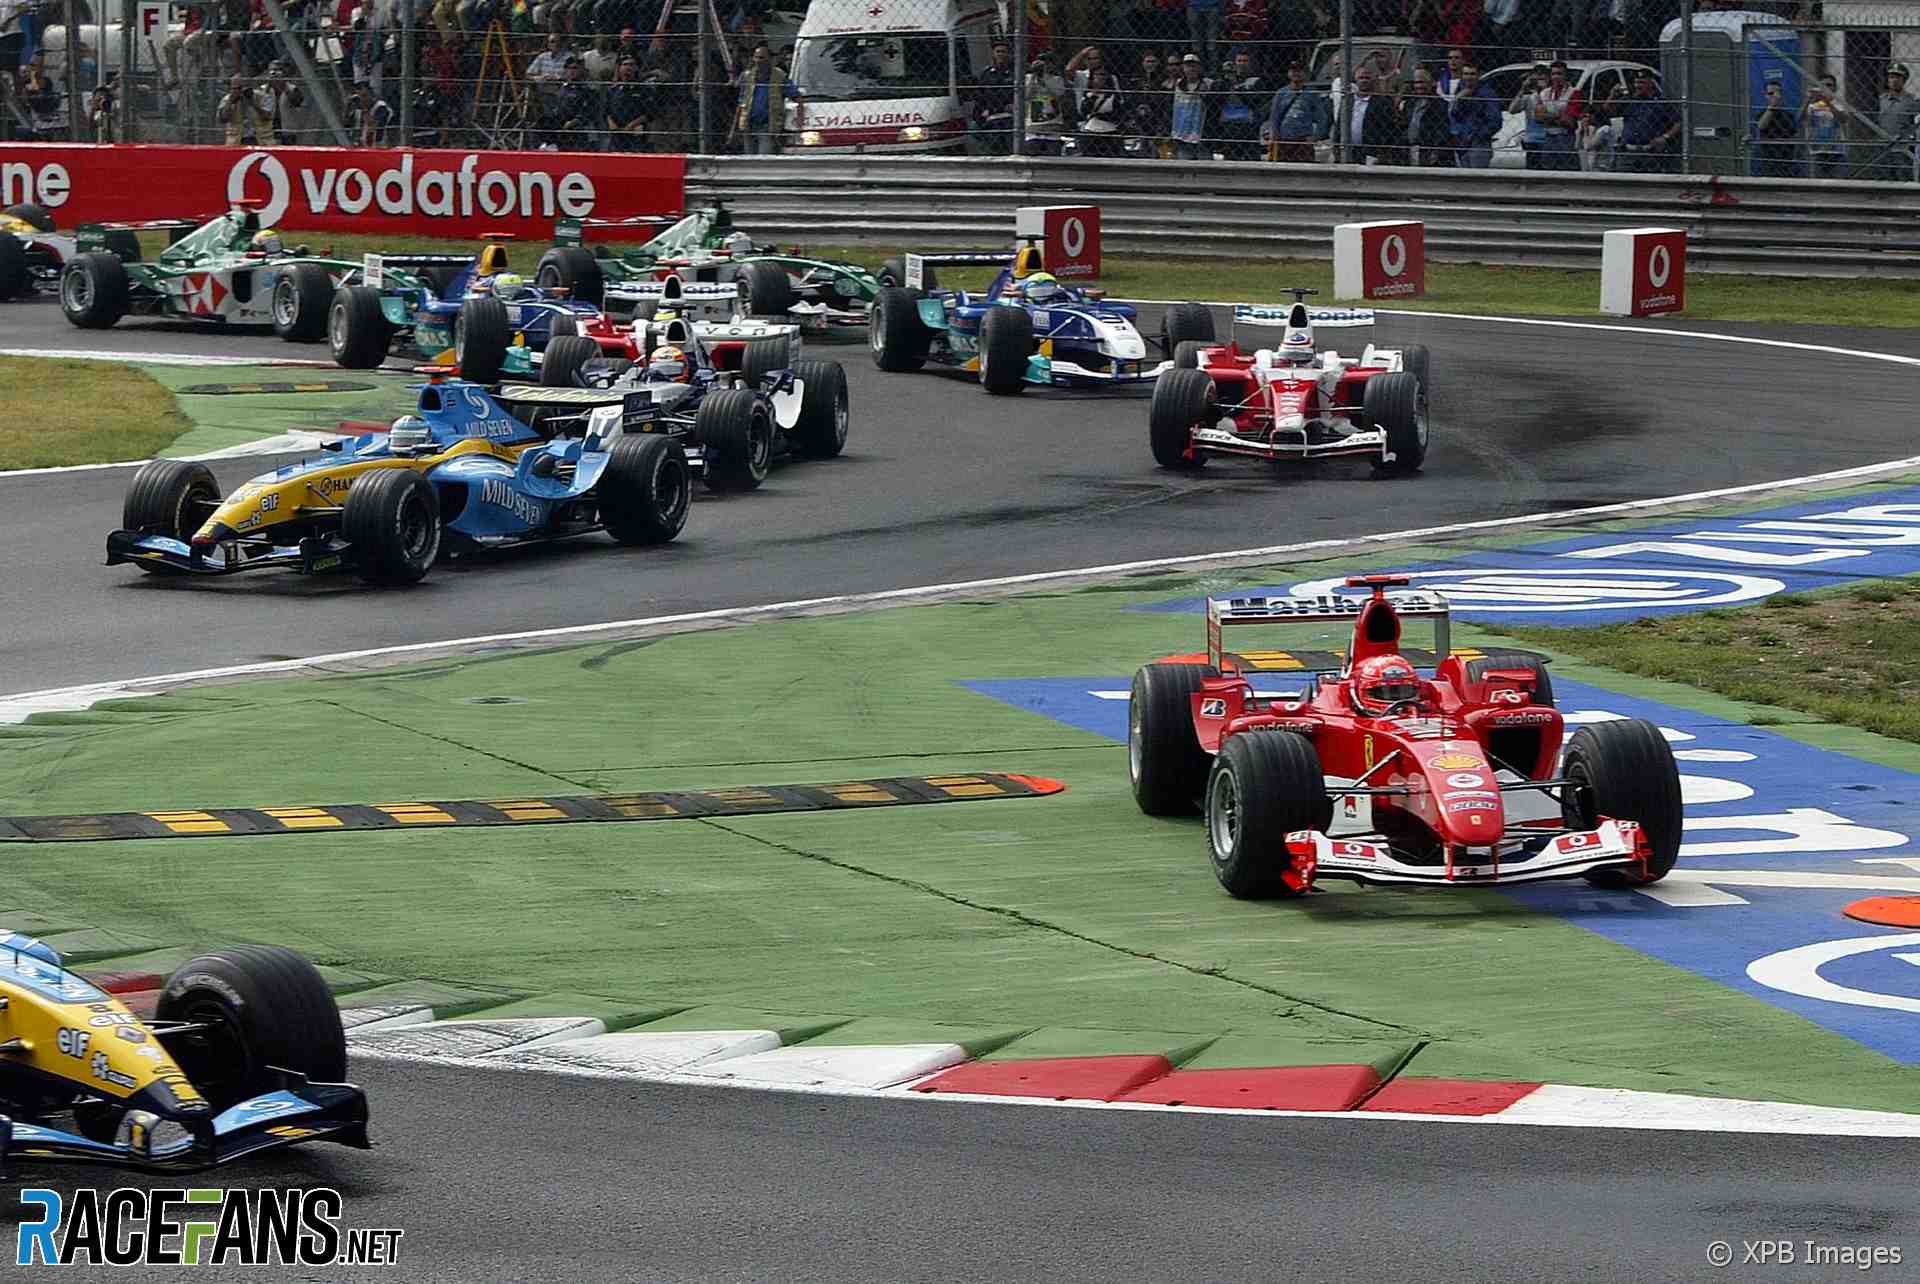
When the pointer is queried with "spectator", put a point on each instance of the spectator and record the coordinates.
(1474, 118)
(1049, 107)
(1203, 30)
(1244, 109)
(1648, 130)
(42, 101)
(1297, 119)
(1776, 137)
(629, 107)
(600, 59)
(1898, 111)
(550, 64)
(1503, 32)
(1423, 116)
(1557, 107)
(1374, 131)
(289, 106)
(1101, 114)
(1449, 83)
(1533, 134)
(246, 113)
(992, 104)
(1192, 98)
(762, 113)
(1080, 67)
(100, 114)
(576, 114)
(1460, 24)
(1598, 151)
(1425, 24)
(1244, 23)
(1148, 119)
(1825, 120)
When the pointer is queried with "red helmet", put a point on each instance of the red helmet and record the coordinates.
(1383, 681)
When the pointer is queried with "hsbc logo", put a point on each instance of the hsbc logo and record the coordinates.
(401, 189)
(1393, 254)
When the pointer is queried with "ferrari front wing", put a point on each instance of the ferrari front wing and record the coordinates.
(1615, 844)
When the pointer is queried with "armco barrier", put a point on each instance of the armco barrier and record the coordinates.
(1232, 210)
(330, 189)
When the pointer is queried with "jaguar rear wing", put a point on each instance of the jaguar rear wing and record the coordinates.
(1223, 612)
(574, 231)
(93, 236)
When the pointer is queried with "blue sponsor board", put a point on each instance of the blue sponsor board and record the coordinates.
(1780, 836)
(1671, 564)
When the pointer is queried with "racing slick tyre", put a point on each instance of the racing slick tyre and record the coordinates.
(301, 299)
(564, 357)
(1624, 770)
(440, 278)
(392, 520)
(481, 334)
(1186, 323)
(895, 333)
(1476, 671)
(767, 289)
(573, 269)
(646, 489)
(562, 325)
(1416, 362)
(1186, 354)
(763, 357)
(261, 1007)
(894, 273)
(14, 274)
(123, 244)
(821, 429)
(93, 290)
(1394, 403)
(357, 330)
(1264, 785)
(35, 216)
(1006, 341)
(735, 432)
(1165, 762)
(168, 497)
(1182, 401)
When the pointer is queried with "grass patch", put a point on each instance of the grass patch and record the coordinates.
(84, 412)
(1849, 655)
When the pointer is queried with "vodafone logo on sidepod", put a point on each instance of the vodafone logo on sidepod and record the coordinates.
(407, 188)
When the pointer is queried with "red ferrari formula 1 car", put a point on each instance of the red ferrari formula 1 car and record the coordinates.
(1375, 773)
(1292, 402)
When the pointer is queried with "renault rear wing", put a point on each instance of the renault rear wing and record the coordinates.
(1325, 607)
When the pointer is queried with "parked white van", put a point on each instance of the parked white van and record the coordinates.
(888, 75)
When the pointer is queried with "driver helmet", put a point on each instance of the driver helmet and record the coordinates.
(1041, 287)
(509, 285)
(738, 243)
(1297, 348)
(409, 432)
(1383, 681)
(267, 241)
(669, 364)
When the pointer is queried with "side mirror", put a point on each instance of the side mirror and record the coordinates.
(335, 445)
(545, 466)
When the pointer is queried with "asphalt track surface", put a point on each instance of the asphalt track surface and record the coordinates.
(503, 1176)
(941, 483)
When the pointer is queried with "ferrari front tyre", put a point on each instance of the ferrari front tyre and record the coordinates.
(1186, 353)
(1006, 342)
(821, 429)
(763, 358)
(563, 359)
(35, 216)
(1624, 770)
(392, 520)
(258, 1008)
(646, 489)
(1186, 322)
(481, 334)
(93, 290)
(357, 329)
(1394, 404)
(301, 298)
(1182, 401)
(169, 497)
(894, 273)
(1165, 762)
(573, 269)
(15, 276)
(1476, 671)
(735, 432)
(1264, 785)
(767, 289)
(896, 334)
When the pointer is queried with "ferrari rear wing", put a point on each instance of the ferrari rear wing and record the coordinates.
(1225, 611)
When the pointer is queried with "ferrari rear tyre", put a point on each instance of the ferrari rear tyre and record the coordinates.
(1393, 402)
(895, 332)
(35, 216)
(392, 520)
(735, 432)
(1476, 671)
(821, 429)
(93, 290)
(169, 497)
(564, 357)
(481, 334)
(573, 269)
(894, 273)
(763, 357)
(1006, 342)
(1188, 322)
(1182, 401)
(1624, 770)
(1165, 763)
(14, 273)
(263, 1008)
(301, 299)
(1264, 785)
(646, 489)
(1186, 353)
(767, 289)
(357, 330)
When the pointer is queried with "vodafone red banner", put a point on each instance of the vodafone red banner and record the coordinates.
(1643, 271)
(1380, 260)
(331, 189)
(1071, 234)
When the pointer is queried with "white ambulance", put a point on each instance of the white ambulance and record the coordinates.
(888, 75)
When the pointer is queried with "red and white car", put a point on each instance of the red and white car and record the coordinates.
(1372, 772)
(1292, 401)
(679, 313)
